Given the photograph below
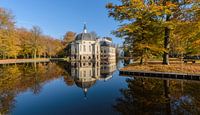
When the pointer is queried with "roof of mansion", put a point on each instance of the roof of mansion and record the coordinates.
(85, 35)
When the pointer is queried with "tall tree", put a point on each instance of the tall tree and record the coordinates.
(162, 14)
(24, 37)
(6, 32)
(35, 37)
(69, 37)
(6, 19)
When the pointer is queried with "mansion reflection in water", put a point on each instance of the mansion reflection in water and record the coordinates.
(92, 58)
(86, 74)
(19, 78)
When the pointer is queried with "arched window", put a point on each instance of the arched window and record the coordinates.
(75, 50)
(91, 73)
(84, 48)
(90, 48)
(84, 73)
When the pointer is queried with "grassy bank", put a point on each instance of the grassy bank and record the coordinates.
(176, 67)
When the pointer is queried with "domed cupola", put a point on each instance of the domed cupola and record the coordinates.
(85, 35)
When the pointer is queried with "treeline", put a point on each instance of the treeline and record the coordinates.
(23, 43)
(158, 28)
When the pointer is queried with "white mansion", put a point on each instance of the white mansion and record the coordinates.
(87, 47)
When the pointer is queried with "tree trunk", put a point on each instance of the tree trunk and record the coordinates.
(35, 54)
(27, 56)
(3, 56)
(166, 44)
(141, 60)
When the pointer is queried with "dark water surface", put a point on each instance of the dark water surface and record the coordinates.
(71, 89)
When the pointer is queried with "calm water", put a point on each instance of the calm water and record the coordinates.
(91, 89)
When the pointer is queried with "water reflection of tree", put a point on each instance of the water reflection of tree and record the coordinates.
(68, 79)
(17, 78)
(189, 102)
(152, 96)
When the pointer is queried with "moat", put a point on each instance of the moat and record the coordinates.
(91, 89)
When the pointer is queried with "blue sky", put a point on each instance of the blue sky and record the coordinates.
(56, 17)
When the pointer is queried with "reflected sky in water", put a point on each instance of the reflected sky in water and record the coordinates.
(91, 88)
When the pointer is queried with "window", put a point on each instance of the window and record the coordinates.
(90, 48)
(90, 72)
(75, 50)
(84, 73)
(84, 48)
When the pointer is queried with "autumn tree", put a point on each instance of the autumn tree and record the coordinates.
(24, 37)
(9, 46)
(154, 18)
(6, 19)
(35, 36)
(68, 38)
(186, 33)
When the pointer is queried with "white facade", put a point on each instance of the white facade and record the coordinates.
(86, 47)
(108, 52)
(85, 50)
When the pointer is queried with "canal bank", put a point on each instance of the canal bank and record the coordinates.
(156, 69)
(161, 75)
(181, 68)
(12, 61)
